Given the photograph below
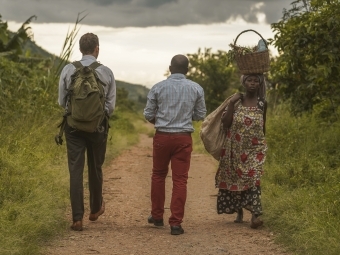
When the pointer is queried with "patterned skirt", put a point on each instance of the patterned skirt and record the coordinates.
(230, 202)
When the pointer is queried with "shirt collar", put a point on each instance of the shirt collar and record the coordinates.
(87, 57)
(177, 76)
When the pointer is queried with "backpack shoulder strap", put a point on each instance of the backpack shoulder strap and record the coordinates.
(94, 65)
(77, 64)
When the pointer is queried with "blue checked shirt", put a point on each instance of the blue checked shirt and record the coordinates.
(174, 103)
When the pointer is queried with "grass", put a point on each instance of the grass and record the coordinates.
(124, 132)
(305, 220)
(33, 187)
(197, 142)
(34, 179)
(301, 187)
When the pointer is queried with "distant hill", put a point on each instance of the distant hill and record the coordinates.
(36, 51)
(136, 92)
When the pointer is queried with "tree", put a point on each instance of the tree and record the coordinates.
(210, 70)
(308, 70)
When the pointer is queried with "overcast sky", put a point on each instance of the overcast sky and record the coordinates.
(138, 37)
(141, 13)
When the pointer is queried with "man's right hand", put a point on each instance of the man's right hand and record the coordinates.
(153, 121)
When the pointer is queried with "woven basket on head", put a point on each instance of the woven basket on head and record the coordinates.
(255, 62)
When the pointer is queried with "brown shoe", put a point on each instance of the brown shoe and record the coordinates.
(94, 216)
(77, 225)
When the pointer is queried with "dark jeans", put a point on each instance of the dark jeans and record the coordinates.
(94, 144)
(174, 149)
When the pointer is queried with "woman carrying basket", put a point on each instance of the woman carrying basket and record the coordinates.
(243, 152)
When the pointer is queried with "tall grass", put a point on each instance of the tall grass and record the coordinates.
(34, 186)
(124, 132)
(197, 142)
(33, 173)
(34, 189)
(301, 189)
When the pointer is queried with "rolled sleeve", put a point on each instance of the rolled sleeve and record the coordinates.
(110, 102)
(64, 82)
(151, 106)
(200, 108)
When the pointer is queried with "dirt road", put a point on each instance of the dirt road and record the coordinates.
(123, 228)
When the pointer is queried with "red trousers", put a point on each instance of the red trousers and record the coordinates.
(175, 149)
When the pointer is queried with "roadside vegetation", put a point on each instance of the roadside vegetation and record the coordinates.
(302, 181)
(33, 169)
(301, 187)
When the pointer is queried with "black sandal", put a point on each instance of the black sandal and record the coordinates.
(239, 217)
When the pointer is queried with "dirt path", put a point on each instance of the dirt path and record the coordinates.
(123, 228)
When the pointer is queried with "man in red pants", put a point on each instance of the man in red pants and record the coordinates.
(172, 105)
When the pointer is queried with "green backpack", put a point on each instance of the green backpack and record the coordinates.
(86, 100)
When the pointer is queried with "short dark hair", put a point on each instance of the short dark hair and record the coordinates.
(88, 43)
(179, 64)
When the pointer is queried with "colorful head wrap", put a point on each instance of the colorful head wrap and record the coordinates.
(262, 89)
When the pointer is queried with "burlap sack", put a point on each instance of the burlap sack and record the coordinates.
(212, 133)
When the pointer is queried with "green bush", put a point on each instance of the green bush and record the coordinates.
(301, 187)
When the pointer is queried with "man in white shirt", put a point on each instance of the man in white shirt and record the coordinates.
(94, 143)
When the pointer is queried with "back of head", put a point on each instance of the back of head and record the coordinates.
(179, 64)
(88, 43)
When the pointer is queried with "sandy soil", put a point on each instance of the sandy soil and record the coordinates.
(123, 228)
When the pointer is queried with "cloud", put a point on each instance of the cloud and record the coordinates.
(142, 55)
(148, 3)
(143, 13)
